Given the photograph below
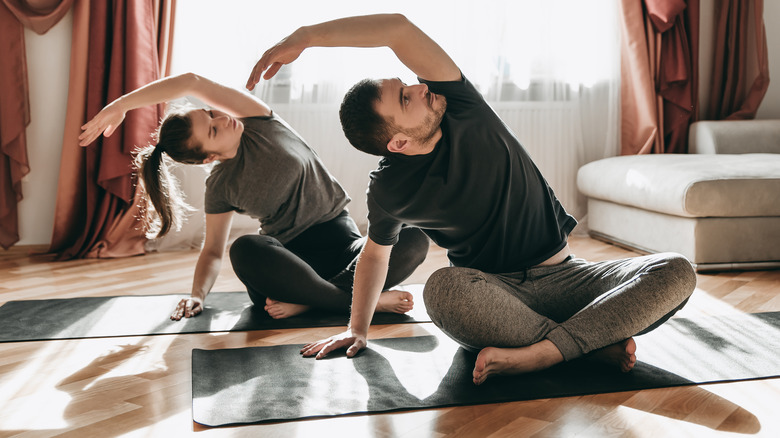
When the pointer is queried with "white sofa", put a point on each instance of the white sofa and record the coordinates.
(719, 205)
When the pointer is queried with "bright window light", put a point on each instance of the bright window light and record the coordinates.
(510, 49)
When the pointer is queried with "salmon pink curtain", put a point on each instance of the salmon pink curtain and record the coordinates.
(730, 98)
(659, 74)
(115, 49)
(15, 15)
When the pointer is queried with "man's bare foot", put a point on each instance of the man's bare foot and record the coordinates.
(536, 357)
(395, 301)
(281, 310)
(621, 354)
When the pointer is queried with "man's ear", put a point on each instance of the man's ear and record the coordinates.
(398, 144)
(210, 158)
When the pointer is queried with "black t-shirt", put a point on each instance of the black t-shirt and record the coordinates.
(478, 193)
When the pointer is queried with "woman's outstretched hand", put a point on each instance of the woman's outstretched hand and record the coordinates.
(105, 122)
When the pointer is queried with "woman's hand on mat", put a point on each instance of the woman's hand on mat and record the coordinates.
(352, 342)
(105, 122)
(187, 307)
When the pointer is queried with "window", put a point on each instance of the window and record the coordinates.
(513, 50)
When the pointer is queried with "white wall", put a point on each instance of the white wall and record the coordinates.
(48, 70)
(48, 64)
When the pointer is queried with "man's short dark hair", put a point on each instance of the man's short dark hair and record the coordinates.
(365, 129)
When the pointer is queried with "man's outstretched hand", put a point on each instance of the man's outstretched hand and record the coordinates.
(353, 343)
(284, 52)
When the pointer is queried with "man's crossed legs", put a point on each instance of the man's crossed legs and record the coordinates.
(528, 321)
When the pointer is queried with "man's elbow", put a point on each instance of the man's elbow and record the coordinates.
(401, 25)
(399, 19)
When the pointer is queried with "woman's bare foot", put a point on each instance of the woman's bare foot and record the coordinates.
(621, 354)
(536, 357)
(395, 301)
(281, 310)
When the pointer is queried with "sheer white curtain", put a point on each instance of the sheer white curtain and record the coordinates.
(549, 67)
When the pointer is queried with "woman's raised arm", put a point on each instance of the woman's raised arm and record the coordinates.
(235, 102)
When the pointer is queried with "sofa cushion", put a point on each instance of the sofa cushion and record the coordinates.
(740, 185)
(734, 137)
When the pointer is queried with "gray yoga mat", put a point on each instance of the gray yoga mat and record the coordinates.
(263, 384)
(93, 317)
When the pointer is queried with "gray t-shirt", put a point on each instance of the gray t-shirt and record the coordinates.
(276, 178)
(478, 193)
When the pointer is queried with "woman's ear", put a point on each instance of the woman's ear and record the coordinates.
(210, 158)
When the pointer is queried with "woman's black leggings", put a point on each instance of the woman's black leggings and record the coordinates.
(317, 268)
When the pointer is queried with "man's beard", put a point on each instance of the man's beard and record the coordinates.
(427, 130)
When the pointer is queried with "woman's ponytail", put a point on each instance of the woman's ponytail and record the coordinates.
(163, 205)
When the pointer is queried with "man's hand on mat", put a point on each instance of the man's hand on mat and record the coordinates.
(187, 307)
(353, 343)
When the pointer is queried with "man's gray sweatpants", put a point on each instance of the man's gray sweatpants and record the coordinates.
(580, 306)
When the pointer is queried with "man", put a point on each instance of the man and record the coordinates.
(451, 167)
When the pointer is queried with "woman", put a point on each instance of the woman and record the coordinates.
(305, 252)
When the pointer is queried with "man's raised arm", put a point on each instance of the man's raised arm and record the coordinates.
(413, 47)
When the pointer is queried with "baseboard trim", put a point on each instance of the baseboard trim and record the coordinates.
(25, 250)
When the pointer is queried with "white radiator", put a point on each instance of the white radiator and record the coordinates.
(552, 134)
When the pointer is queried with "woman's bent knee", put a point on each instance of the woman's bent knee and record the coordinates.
(248, 249)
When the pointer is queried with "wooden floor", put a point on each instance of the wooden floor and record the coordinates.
(140, 386)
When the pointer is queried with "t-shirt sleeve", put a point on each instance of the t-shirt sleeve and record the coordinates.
(383, 229)
(215, 201)
(461, 95)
